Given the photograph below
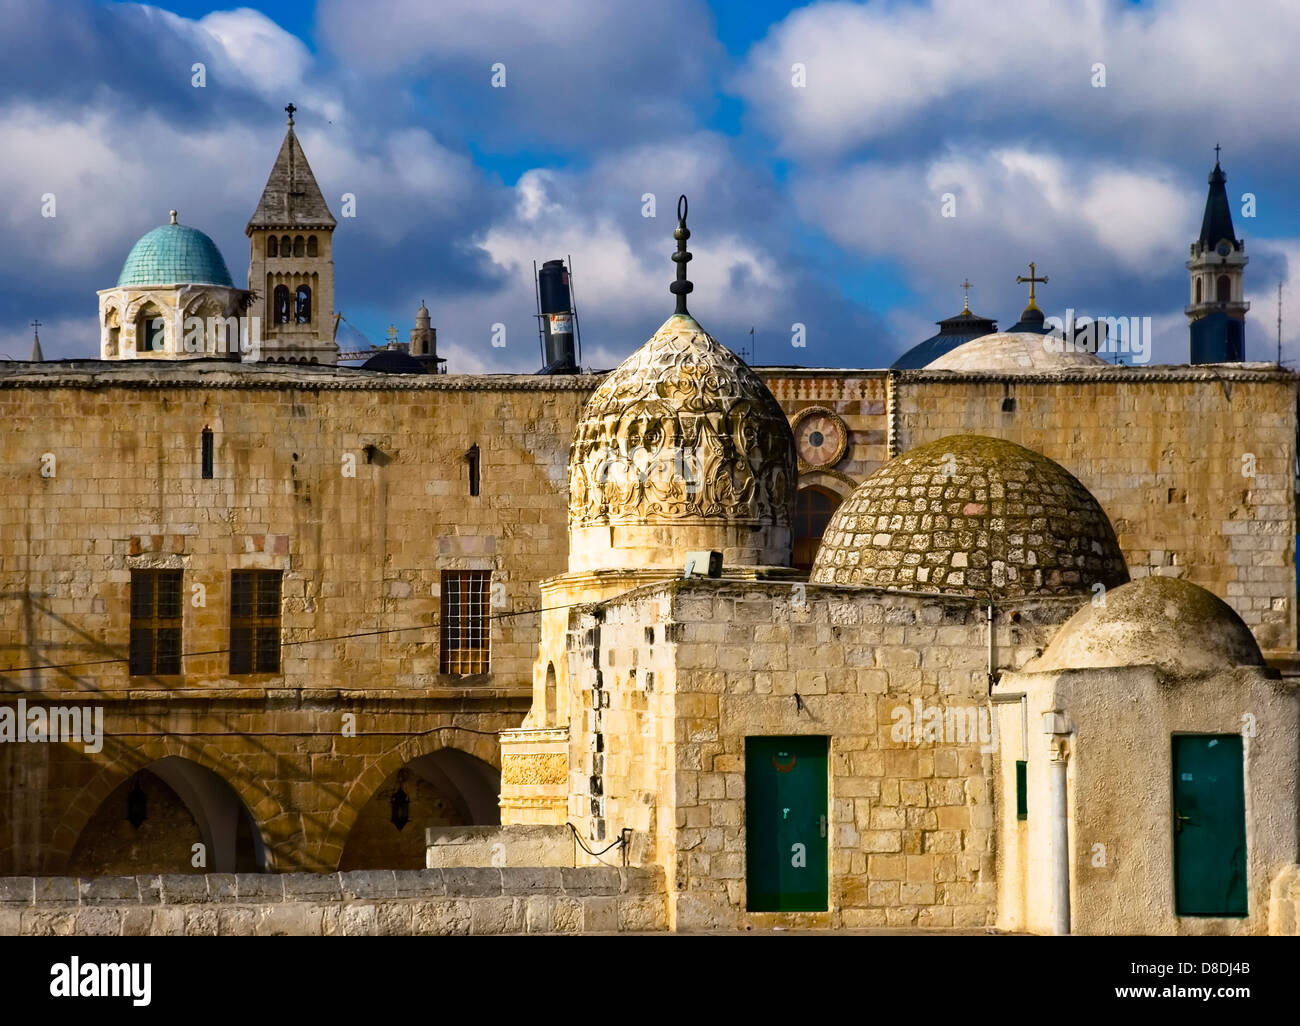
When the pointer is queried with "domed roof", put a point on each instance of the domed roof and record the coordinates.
(174, 254)
(394, 361)
(682, 447)
(968, 514)
(1014, 351)
(1162, 621)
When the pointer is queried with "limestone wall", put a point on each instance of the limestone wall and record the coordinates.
(911, 841)
(356, 487)
(378, 903)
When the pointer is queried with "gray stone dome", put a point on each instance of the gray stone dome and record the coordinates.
(1160, 621)
(1013, 351)
(970, 515)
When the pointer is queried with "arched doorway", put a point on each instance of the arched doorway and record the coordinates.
(444, 788)
(812, 512)
(153, 820)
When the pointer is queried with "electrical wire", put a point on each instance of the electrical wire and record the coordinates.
(6, 671)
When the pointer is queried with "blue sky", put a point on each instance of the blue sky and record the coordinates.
(818, 204)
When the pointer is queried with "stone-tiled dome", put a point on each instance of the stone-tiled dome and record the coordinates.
(682, 447)
(1162, 621)
(969, 514)
(174, 254)
(1014, 351)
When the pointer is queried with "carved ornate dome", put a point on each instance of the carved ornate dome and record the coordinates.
(682, 447)
(1162, 621)
(969, 514)
(1014, 351)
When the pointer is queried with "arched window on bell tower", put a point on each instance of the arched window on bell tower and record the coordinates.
(272, 246)
(280, 305)
(302, 305)
(1198, 290)
(1223, 289)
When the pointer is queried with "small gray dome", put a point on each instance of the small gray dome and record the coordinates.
(1160, 621)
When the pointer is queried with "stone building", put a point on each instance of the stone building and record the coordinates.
(323, 610)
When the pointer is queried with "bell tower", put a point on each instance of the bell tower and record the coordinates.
(1218, 306)
(291, 261)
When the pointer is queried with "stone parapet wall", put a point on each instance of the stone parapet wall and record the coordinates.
(589, 899)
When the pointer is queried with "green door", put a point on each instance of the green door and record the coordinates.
(1209, 826)
(785, 824)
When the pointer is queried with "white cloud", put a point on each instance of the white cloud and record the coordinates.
(1173, 70)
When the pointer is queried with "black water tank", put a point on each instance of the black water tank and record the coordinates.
(557, 317)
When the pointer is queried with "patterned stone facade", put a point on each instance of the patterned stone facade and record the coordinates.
(682, 447)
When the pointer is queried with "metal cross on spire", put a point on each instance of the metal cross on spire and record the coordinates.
(290, 109)
(966, 286)
(681, 287)
(1216, 153)
(36, 328)
(1033, 280)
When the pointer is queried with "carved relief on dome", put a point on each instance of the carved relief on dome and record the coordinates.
(682, 430)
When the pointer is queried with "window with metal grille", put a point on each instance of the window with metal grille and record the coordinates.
(465, 624)
(155, 622)
(254, 621)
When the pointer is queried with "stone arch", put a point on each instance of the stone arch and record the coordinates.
(1222, 289)
(484, 748)
(1198, 290)
(299, 246)
(202, 785)
(272, 246)
(313, 248)
(286, 246)
(147, 329)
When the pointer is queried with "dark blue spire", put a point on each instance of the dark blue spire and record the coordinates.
(1217, 222)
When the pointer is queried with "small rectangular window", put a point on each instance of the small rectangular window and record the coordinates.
(155, 622)
(254, 621)
(466, 626)
(472, 459)
(1022, 789)
(207, 453)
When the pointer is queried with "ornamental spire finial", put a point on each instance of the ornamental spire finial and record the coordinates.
(289, 109)
(681, 287)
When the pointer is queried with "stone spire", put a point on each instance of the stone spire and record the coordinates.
(291, 199)
(37, 355)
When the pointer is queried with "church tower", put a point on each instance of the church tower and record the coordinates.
(1218, 305)
(291, 263)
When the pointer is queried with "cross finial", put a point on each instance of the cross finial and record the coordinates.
(290, 109)
(965, 306)
(36, 328)
(1033, 280)
(1216, 153)
(681, 287)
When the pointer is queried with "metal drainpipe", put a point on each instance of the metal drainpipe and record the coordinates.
(1059, 798)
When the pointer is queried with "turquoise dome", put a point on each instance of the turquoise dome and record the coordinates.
(173, 254)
